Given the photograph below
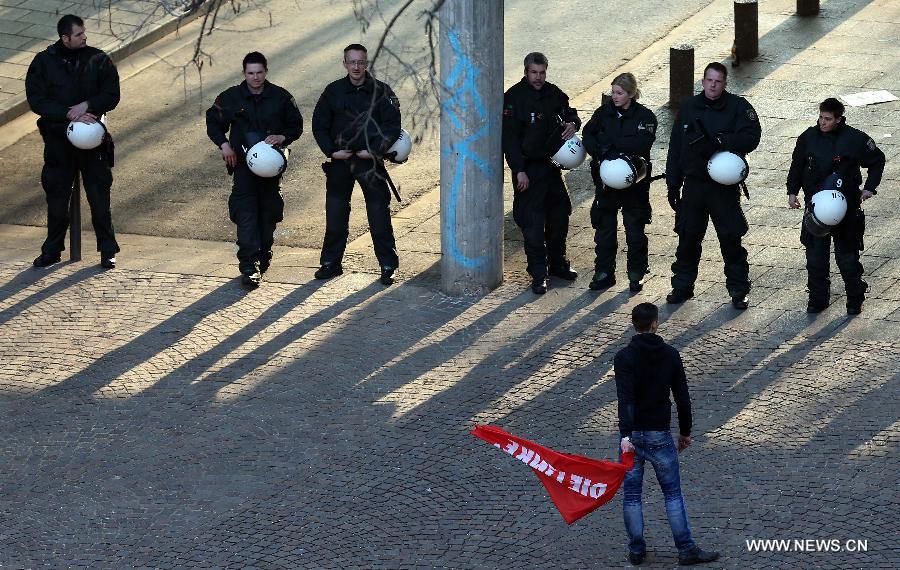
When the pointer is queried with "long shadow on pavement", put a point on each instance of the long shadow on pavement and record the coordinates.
(29, 277)
(117, 362)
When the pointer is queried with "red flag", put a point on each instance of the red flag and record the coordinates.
(577, 484)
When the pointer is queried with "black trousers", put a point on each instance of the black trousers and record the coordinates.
(542, 212)
(818, 266)
(61, 162)
(636, 214)
(340, 176)
(256, 207)
(701, 201)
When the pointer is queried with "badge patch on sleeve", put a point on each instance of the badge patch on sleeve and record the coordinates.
(870, 144)
(395, 101)
(508, 110)
(649, 127)
(751, 114)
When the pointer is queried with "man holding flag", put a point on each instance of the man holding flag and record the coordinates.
(646, 371)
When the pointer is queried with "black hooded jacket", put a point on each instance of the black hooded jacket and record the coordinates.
(646, 371)
(843, 150)
(59, 78)
(532, 123)
(356, 117)
(237, 113)
(731, 123)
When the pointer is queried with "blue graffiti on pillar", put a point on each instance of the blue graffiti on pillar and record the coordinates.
(463, 96)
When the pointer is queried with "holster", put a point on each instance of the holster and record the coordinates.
(859, 228)
(595, 173)
(108, 148)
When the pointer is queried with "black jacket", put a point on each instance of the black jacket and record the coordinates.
(731, 124)
(843, 150)
(531, 123)
(646, 371)
(611, 131)
(341, 118)
(239, 112)
(59, 78)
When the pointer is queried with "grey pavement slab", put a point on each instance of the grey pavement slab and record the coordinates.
(118, 27)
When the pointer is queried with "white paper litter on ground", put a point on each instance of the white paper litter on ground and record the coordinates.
(868, 98)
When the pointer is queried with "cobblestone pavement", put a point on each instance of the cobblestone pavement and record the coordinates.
(164, 420)
(155, 418)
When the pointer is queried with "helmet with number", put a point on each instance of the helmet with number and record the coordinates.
(727, 168)
(265, 160)
(623, 172)
(570, 154)
(827, 209)
(399, 151)
(86, 136)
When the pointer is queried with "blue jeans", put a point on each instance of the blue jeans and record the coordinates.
(658, 448)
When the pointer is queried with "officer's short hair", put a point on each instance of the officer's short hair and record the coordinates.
(65, 24)
(643, 315)
(355, 47)
(536, 58)
(255, 57)
(833, 106)
(716, 66)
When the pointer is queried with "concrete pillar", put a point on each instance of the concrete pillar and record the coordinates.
(807, 7)
(471, 52)
(681, 73)
(746, 29)
(75, 220)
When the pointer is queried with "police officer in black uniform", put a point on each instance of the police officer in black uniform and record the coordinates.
(253, 111)
(70, 81)
(711, 121)
(621, 126)
(355, 122)
(832, 147)
(536, 120)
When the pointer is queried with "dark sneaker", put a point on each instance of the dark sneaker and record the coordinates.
(264, 264)
(539, 285)
(636, 558)
(387, 276)
(814, 307)
(329, 270)
(679, 296)
(45, 259)
(251, 280)
(854, 307)
(108, 260)
(740, 303)
(697, 556)
(636, 286)
(563, 272)
(601, 280)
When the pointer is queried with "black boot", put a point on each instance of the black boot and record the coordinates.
(697, 556)
(602, 280)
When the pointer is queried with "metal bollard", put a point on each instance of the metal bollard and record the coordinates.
(75, 220)
(807, 7)
(681, 73)
(746, 29)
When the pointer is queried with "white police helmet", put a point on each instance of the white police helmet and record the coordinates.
(623, 172)
(570, 154)
(266, 160)
(86, 136)
(829, 207)
(402, 146)
(727, 168)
